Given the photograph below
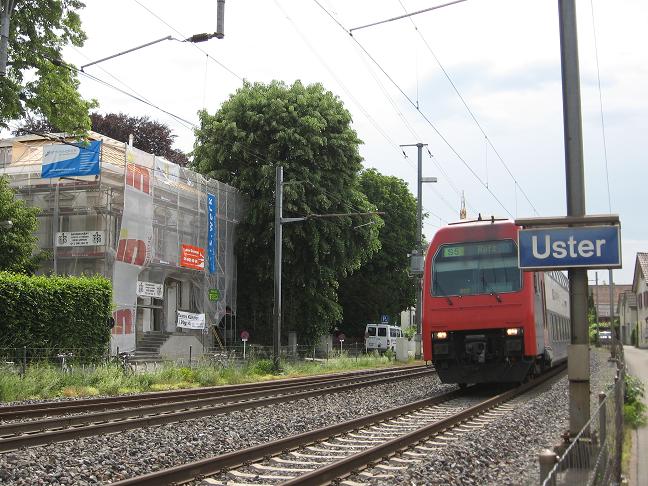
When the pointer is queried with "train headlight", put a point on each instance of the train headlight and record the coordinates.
(441, 335)
(514, 331)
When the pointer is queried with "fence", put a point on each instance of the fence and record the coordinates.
(17, 359)
(594, 456)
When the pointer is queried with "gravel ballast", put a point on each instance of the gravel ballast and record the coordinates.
(504, 452)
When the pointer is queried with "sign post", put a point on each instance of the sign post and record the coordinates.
(574, 243)
(244, 337)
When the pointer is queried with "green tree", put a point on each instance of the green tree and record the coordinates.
(383, 285)
(36, 82)
(18, 245)
(305, 129)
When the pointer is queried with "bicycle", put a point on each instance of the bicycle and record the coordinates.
(63, 358)
(123, 362)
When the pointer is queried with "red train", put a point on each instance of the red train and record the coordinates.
(485, 320)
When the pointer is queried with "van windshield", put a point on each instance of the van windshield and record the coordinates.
(482, 267)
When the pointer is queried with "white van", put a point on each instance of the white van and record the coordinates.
(381, 337)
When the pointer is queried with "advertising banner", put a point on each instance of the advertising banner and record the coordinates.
(65, 160)
(189, 320)
(211, 232)
(134, 248)
(192, 257)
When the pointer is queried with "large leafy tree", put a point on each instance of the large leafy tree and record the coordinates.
(148, 135)
(18, 222)
(383, 285)
(305, 129)
(36, 81)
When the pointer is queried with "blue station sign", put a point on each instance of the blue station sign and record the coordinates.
(582, 246)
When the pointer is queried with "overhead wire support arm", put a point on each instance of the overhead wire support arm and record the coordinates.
(405, 15)
(168, 37)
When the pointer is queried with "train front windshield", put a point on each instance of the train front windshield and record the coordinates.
(473, 268)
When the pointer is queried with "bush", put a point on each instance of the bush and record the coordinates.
(634, 411)
(55, 312)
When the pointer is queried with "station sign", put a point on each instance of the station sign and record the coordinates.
(573, 247)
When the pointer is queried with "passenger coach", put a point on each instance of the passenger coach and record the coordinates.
(485, 320)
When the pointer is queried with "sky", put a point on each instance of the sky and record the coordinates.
(485, 76)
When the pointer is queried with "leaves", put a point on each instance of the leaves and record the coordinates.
(18, 244)
(383, 285)
(55, 312)
(306, 130)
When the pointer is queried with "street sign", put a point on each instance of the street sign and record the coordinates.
(245, 335)
(559, 248)
(214, 295)
(384, 319)
(341, 337)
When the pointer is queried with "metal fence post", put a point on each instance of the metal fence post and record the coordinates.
(602, 419)
(190, 355)
(24, 360)
(547, 460)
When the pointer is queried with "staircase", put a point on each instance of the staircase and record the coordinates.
(148, 346)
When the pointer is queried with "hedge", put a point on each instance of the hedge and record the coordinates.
(55, 312)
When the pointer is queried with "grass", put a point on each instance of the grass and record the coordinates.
(43, 381)
(626, 452)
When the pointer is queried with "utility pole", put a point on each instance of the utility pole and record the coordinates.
(417, 252)
(598, 334)
(276, 341)
(6, 7)
(578, 353)
(615, 340)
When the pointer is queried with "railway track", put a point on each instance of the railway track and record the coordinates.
(369, 449)
(114, 415)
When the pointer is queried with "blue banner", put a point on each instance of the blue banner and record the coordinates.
(585, 246)
(64, 160)
(211, 232)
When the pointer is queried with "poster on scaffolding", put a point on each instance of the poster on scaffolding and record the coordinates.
(135, 245)
(189, 320)
(211, 232)
(66, 160)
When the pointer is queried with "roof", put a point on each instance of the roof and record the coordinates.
(641, 265)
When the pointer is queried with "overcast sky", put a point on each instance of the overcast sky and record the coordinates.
(502, 55)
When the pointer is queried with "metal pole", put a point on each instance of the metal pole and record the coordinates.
(55, 225)
(5, 18)
(598, 332)
(276, 342)
(578, 354)
(615, 341)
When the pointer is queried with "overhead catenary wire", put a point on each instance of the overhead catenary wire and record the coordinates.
(362, 109)
(423, 115)
(470, 112)
(598, 76)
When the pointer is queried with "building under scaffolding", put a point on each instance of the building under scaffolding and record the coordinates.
(162, 233)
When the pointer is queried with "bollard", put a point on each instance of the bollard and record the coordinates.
(602, 419)
(547, 460)
(190, 355)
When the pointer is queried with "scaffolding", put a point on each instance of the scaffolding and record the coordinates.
(153, 222)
